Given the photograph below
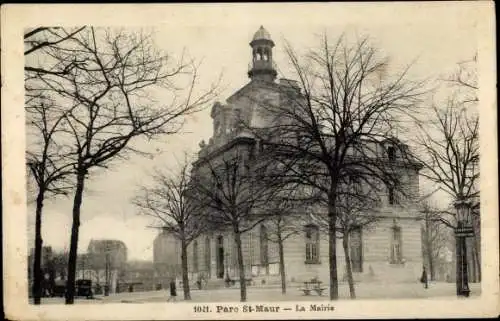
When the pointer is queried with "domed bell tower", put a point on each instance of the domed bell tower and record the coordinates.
(262, 66)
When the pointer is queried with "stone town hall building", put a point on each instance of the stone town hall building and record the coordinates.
(390, 249)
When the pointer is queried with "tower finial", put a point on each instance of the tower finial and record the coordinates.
(262, 66)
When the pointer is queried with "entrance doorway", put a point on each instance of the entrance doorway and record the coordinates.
(220, 257)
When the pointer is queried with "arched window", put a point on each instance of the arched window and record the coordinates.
(264, 255)
(259, 54)
(195, 256)
(312, 244)
(396, 245)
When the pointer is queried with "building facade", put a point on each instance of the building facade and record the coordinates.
(387, 250)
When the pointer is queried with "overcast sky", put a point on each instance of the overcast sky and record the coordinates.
(435, 37)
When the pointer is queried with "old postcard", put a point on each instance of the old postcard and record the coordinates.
(249, 161)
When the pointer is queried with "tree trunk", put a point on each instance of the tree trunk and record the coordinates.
(332, 248)
(350, 279)
(73, 250)
(37, 264)
(430, 257)
(241, 268)
(282, 264)
(184, 265)
(429, 249)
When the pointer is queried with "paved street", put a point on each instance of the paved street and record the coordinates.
(363, 291)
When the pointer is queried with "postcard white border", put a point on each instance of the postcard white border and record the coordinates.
(16, 17)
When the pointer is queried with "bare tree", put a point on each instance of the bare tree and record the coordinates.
(339, 121)
(171, 202)
(47, 168)
(39, 39)
(450, 150)
(434, 237)
(357, 207)
(286, 219)
(231, 187)
(465, 80)
(449, 146)
(112, 88)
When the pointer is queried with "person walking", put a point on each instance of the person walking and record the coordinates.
(423, 279)
(173, 291)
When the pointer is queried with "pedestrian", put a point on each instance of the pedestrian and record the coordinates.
(423, 279)
(173, 291)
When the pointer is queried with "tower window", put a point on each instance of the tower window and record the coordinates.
(312, 244)
(391, 153)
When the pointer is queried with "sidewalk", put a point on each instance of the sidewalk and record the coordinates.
(375, 291)
(364, 291)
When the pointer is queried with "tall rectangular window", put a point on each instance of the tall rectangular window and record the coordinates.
(391, 153)
(391, 196)
(356, 249)
(312, 244)
(396, 245)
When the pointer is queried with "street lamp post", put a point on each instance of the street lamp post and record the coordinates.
(463, 230)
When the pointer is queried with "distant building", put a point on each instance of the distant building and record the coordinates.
(166, 257)
(106, 261)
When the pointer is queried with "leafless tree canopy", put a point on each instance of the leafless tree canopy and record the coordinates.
(39, 39)
(449, 140)
(348, 107)
(451, 148)
(109, 92)
(170, 200)
(230, 187)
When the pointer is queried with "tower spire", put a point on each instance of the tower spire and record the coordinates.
(262, 66)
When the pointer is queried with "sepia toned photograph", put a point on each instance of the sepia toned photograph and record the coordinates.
(250, 161)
